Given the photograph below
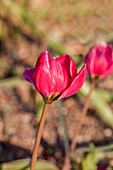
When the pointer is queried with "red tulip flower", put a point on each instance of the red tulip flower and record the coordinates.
(55, 77)
(99, 60)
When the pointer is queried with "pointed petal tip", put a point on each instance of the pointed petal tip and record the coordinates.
(83, 69)
(68, 55)
(76, 84)
(44, 52)
(43, 58)
(83, 72)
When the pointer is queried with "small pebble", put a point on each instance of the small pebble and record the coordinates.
(108, 132)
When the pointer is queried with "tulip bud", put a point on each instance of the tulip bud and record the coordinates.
(99, 61)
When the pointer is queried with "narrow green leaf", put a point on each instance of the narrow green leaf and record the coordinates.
(97, 149)
(62, 121)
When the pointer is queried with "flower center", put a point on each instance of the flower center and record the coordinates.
(50, 99)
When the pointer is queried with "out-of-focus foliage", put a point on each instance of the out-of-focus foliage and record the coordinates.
(30, 17)
(92, 160)
(15, 18)
(102, 108)
(89, 162)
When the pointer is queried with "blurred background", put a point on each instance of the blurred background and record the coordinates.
(28, 27)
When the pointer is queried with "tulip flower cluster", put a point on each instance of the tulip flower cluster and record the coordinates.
(58, 78)
(55, 77)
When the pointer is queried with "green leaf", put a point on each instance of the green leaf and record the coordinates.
(63, 124)
(100, 105)
(25, 165)
(106, 95)
(95, 154)
(89, 162)
(10, 82)
(57, 46)
(97, 149)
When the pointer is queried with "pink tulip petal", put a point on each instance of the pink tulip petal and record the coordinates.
(76, 84)
(103, 59)
(28, 74)
(43, 58)
(69, 65)
(59, 75)
(42, 80)
(99, 60)
(73, 69)
(52, 79)
(107, 72)
(90, 59)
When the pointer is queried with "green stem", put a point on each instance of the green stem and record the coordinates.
(62, 121)
(38, 137)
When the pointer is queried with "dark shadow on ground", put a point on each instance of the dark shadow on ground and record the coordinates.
(9, 152)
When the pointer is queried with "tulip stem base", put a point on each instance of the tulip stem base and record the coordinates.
(38, 138)
(82, 117)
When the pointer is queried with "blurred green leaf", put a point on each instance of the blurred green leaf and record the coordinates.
(100, 105)
(63, 124)
(110, 168)
(25, 165)
(39, 104)
(94, 155)
(20, 13)
(60, 49)
(89, 162)
(105, 95)
(97, 149)
(10, 82)
(57, 46)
